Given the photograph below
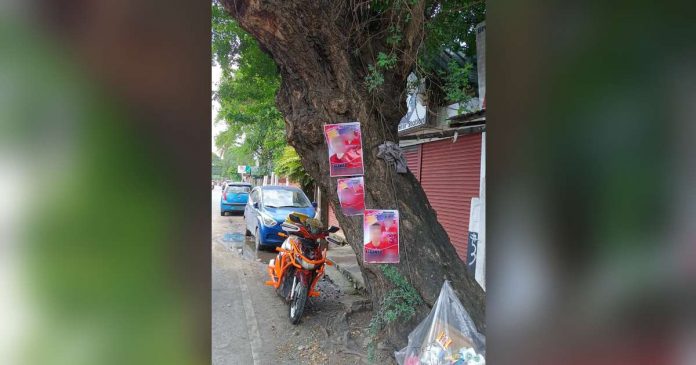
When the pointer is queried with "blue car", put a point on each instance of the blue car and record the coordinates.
(268, 207)
(234, 198)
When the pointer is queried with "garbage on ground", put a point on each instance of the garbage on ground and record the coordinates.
(447, 336)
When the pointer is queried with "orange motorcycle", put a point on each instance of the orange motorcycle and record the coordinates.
(299, 264)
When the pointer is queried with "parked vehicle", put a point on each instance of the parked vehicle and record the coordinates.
(234, 198)
(299, 264)
(268, 207)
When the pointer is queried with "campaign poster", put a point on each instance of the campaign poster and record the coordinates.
(345, 149)
(351, 195)
(381, 236)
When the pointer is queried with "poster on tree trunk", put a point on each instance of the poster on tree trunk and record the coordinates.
(351, 195)
(381, 236)
(345, 149)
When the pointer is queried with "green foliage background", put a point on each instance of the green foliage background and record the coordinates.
(246, 94)
(289, 165)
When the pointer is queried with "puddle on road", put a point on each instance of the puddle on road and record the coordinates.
(245, 247)
(233, 237)
(249, 252)
(233, 242)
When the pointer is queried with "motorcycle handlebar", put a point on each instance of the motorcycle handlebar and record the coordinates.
(299, 234)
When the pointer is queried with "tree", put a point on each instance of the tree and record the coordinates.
(246, 93)
(231, 158)
(254, 125)
(349, 60)
(289, 164)
(216, 163)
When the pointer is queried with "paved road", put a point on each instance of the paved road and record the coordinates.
(250, 324)
(236, 334)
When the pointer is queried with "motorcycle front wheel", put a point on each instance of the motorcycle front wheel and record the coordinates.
(286, 285)
(297, 304)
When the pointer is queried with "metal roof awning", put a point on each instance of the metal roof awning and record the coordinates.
(467, 119)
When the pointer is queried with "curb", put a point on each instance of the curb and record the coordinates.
(347, 274)
(358, 284)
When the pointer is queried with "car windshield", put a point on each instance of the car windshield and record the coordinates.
(236, 189)
(285, 198)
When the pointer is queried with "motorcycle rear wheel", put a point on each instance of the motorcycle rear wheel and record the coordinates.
(297, 304)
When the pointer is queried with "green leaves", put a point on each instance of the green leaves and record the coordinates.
(385, 61)
(374, 78)
(450, 29)
(394, 37)
(398, 304)
(225, 43)
(456, 86)
(289, 164)
(246, 93)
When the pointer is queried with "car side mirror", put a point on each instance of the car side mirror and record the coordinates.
(256, 205)
(314, 204)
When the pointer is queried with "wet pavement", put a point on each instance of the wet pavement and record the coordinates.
(242, 245)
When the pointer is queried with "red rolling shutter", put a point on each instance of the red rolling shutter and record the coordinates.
(450, 174)
(413, 159)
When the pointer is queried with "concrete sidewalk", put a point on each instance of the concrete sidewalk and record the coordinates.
(346, 264)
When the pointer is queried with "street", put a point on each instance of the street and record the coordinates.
(250, 322)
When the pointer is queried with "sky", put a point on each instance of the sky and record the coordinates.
(219, 127)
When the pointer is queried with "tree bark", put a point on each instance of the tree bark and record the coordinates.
(322, 49)
(323, 207)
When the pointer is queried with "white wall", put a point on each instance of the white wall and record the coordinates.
(480, 273)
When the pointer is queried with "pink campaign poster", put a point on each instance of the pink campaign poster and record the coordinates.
(381, 236)
(345, 149)
(351, 195)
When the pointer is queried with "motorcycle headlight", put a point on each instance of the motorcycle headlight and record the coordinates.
(305, 265)
(267, 220)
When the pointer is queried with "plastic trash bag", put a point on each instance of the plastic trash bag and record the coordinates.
(447, 336)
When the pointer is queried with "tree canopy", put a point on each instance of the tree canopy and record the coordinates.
(250, 78)
(449, 28)
(246, 93)
(216, 164)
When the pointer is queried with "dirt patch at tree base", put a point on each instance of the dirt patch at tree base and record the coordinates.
(336, 337)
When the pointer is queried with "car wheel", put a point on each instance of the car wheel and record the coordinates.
(257, 240)
(222, 214)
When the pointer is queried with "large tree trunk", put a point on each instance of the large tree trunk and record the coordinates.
(322, 49)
